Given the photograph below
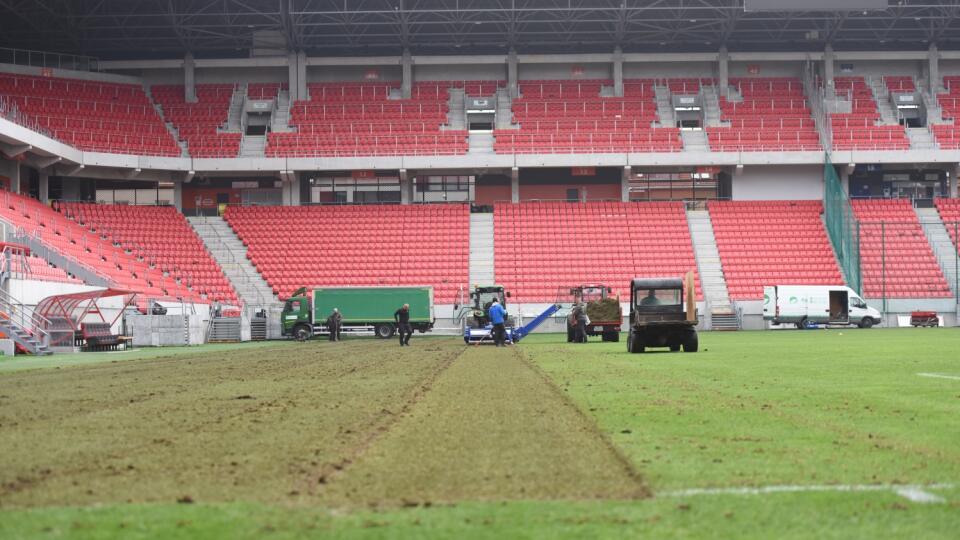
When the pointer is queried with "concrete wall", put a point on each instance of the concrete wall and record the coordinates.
(659, 70)
(461, 72)
(564, 71)
(165, 330)
(766, 69)
(31, 292)
(355, 73)
(760, 182)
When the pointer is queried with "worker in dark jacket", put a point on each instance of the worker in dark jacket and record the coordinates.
(402, 318)
(580, 336)
(498, 317)
(333, 324)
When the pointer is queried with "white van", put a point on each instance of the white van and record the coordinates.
(823, 304)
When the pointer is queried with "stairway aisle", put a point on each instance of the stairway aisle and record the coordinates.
(720, 310)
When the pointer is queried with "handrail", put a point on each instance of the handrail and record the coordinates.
(20, 314)
(28, 57)
(246, 279)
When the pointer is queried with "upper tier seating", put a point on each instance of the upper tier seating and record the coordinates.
(895, 256)
(948, 135)
(858, 129)
(360, 119)
(263, 91)
(543, 248)
(198, 123)
(571, 117)
(76, 242)
(160, 236)
(308, 246)
(950, 214)
(765, 243)
(772, 116)
(89, 115)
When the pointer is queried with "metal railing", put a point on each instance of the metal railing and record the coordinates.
(234, 264)
(26, 57)
(25, 317)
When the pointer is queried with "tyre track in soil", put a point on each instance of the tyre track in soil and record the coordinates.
(199, 401)
(490, 426)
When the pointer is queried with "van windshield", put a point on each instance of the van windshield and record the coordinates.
(645, 298)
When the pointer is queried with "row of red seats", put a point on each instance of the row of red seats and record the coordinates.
(772, 242)
(161, 236)
(383, 250)
(535, 266)
(772, 116)
(198, 123)
(858, 130)
(892, 225)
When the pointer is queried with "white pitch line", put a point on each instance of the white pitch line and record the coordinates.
(914, 493)
(939, 376)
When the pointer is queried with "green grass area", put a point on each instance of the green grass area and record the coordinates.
(364, 439)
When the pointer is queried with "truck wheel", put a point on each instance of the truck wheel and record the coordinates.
(867, 322)
(802, 323)
(634, 343)
(302, 332)
(675, 347)
(692, 343)
(383, 331)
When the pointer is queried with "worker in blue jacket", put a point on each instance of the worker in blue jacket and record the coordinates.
(498, 316)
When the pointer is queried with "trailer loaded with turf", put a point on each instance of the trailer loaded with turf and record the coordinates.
(365, 310)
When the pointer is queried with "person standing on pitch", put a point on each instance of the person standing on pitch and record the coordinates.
(402, 318)
(498, 316)
(333, 324)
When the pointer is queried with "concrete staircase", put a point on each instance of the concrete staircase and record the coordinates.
(881, 94)
(280, 121)
(504, 118)
(456, 111)
(711, 107)
(253, 146)
(480, 143)
(695, 140)
(18, 326)
(941, 244)
(664, 106)
(231, 255)
(921, 138)
(481, 249)
(235, 115)
(719, 308)
(174, 132)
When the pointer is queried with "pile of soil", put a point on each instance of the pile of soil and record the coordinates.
(604, 310)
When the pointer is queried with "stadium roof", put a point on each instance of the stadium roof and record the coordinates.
(123, 29)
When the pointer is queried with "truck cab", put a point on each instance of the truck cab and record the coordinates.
(295, 319)
(663, 313)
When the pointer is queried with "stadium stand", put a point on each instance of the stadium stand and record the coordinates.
(33, 267)
(571, 117)
(896, 258)
(92, 116)
(90, 250)
(949, 210)
(199, 123)
(948, 135)
(770, 243)
(361, 119)
(772, 115)
(264, 91)
(357, 245)
(859, 129)
(160, 236)
(544, 247)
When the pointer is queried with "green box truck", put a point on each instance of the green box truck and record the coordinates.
(364, 309)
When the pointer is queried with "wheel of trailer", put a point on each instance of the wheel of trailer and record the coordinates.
(614, 336)
(383, 331)
(692, 343)
(634, 343)
(866, 322)
(802, 323)
(302, 332)
(675, 347)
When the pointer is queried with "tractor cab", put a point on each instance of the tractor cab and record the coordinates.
(663, 313)
(590, 293)
(477, 313)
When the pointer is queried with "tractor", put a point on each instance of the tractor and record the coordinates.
(477, 313)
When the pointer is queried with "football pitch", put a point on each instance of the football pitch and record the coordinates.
(788, 434)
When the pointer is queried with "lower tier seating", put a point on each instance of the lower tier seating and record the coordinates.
(895, 256)
(949, 210)
(161, 236)
(772, 243)
(544, 247)
(308, 246)
(92, 251)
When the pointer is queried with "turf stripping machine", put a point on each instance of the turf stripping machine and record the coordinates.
(484, 334)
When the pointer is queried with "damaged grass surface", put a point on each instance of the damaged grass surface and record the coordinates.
(442, 441)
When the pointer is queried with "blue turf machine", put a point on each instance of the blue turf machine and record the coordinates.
(513, 334)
